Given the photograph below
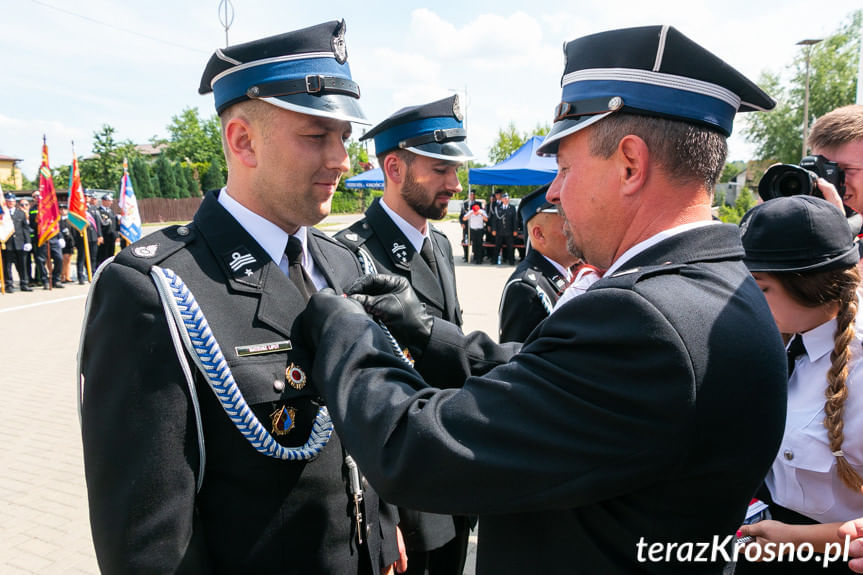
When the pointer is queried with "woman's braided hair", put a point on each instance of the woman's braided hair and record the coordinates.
(814, 289)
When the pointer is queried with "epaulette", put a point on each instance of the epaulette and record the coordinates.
(628, 277)
(356, 235)
(156, 247)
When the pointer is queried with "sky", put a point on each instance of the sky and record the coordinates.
(70, 67)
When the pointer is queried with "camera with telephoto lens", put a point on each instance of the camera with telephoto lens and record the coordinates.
(784, 180)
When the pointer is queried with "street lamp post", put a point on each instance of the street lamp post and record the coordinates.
(808, 43)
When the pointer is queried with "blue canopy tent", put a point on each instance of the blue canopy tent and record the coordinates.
(522, 168)
(370, 179)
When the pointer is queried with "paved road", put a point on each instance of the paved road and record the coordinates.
(44, 526)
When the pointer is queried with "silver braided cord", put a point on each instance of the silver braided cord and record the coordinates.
(369, 268)
(545, 300)
(207, 354)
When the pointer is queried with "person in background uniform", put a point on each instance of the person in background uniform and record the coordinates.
(611, 429)
(67, 233)
(94, 232)
(17, 246)
(284, 497)
(476, 219)
(533, 288)
(108, 226)
(504, 231)
(495, 205)
(466, 205)
(838, 136)
(803, 256)
(419, 149)
(36, 257)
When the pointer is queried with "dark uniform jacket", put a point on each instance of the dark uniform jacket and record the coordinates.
(393, 254)
(94, 232)
(521, 308)
(504, 222)
(649, 407)
(254, 513)
(21, 236)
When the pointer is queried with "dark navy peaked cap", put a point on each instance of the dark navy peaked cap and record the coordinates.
(653, 71)
(535, 203)
(435, 130)
(304, 71)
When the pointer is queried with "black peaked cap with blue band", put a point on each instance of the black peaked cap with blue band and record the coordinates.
(304, 71)
(653, 71)
(535, 203)
(435, 130)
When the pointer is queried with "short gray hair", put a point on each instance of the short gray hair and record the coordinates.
(688, 153)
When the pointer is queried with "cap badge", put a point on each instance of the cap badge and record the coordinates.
(456, 109)
(283, 420)
(339, 48)
(400, 251)
(295, 376)
(744, 225)
(145, 251)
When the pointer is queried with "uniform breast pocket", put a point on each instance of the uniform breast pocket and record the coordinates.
(807, 469)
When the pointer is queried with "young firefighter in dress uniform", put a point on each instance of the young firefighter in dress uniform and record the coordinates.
(533, 288)
(419, 150)
(207, 446)
(804, 257)
(612, 429)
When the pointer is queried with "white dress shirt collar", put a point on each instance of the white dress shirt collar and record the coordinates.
(652, 241)
(414, 236)
(271, 237)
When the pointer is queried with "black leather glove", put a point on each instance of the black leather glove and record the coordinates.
(321, 307)
(392, 301)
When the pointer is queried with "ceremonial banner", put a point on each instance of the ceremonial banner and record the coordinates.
(7, 227)
(130, 221)
(49, 210)
(78, 215)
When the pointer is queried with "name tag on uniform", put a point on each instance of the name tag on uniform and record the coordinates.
(262, 348)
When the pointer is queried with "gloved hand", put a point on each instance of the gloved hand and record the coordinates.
(62, 243)
(27, 247)
(323, 305)
(392, 300)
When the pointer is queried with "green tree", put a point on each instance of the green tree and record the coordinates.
(778, 135)
(192, 187)
(510, 139)
(167, 176)
(212, 178)
(193, 138)
(139, 170)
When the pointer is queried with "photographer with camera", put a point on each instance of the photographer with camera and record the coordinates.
(834, 171)
(838, 137)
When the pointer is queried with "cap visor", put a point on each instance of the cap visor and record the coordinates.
(564, 128)
(335, 106)
(450, 151)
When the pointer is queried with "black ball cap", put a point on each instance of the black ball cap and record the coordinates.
(797, 234)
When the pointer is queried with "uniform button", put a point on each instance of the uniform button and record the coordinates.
(279, 384)
(789, 455)
(182, 231)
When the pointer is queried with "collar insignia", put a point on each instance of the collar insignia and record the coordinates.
(400, 251)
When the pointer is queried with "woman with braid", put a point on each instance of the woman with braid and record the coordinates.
(803, 256)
